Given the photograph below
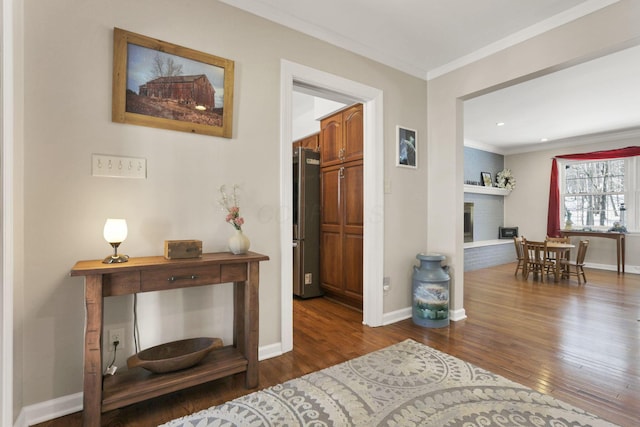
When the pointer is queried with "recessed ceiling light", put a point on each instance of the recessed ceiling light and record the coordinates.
(544, 139)
(500, 124)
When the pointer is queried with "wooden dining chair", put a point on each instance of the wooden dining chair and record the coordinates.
(576, 268)
(518, 242)
(536, 259)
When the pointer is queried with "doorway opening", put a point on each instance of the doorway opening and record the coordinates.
(309, 192)
(334, 87)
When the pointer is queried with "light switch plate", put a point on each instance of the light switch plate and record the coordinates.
(118, 166)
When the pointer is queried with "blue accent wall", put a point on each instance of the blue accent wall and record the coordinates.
(488, 212)
(476, 161)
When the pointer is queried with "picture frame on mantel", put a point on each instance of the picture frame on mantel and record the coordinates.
(406, 147)
(486, 179)
(163, 85)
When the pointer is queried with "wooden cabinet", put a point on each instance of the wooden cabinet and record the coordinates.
(311, 142)
(341, 136)
(157, 274)
(341, 233)
(341, 229)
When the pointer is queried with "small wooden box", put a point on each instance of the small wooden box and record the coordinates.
(179, 249)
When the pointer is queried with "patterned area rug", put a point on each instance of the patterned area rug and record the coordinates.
(406, 384)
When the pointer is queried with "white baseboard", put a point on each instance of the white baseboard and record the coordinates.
(396, 316)
(45, 411)
(269, 351)
(457, 315)
(634, 269)
(407, 313)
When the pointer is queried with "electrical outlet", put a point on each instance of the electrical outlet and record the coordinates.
(386, 284)
(116, 335)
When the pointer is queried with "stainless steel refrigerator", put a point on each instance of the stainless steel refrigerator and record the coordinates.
(306, 223)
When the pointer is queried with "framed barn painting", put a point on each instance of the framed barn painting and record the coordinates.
(162, 85)
(406, 147)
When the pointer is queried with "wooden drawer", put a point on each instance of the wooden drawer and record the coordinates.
(121, 283)
(233, 273)
(157, 280)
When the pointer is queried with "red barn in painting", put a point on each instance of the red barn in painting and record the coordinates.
(196, 90)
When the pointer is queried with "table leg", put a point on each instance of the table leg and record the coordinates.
(561, 254)
(92, 397)
(246, 322)
(252, 324)
(621, 250)
(239, 318)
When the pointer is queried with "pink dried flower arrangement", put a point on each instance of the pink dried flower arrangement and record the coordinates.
(230, 204)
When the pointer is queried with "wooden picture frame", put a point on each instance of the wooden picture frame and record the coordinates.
(406, 147)
(486, 179)
(163, 85)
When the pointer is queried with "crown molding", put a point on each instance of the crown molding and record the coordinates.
(612, 136)
(305, 27)
(282, 18)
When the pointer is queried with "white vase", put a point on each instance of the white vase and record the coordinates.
(239, 243)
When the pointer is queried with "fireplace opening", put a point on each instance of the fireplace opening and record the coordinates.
(468, 222)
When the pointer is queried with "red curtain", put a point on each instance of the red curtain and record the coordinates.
(553, 216)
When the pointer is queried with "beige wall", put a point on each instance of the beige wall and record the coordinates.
(67, 92)
(67, 109)
(596, 34)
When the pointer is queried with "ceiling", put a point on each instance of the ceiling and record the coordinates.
(427, 38)
(598, 97)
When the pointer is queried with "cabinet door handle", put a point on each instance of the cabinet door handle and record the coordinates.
(341, 155)
(174, 278)
(341, 173)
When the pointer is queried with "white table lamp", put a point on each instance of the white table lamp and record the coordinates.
(115, 232)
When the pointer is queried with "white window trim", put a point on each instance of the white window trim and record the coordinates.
(631, 194)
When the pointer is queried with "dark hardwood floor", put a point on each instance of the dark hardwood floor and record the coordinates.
(580, 344)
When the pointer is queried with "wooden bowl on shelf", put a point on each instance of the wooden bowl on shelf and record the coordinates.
(175, 355)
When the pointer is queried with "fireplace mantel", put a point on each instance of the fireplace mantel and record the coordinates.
(479, 189)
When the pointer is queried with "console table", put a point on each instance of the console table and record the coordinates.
(146, 274)
(620, 241)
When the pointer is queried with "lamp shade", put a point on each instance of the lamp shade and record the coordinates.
(115, 230)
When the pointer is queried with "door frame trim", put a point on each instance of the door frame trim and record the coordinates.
(7, 137)
(372, 98)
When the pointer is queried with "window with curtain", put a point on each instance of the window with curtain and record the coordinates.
(593, 192)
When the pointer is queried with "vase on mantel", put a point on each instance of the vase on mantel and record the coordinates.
(239, 243)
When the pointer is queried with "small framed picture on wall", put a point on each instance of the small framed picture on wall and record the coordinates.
(486, 179)
(406, 147)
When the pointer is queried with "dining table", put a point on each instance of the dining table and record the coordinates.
(561, 251)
